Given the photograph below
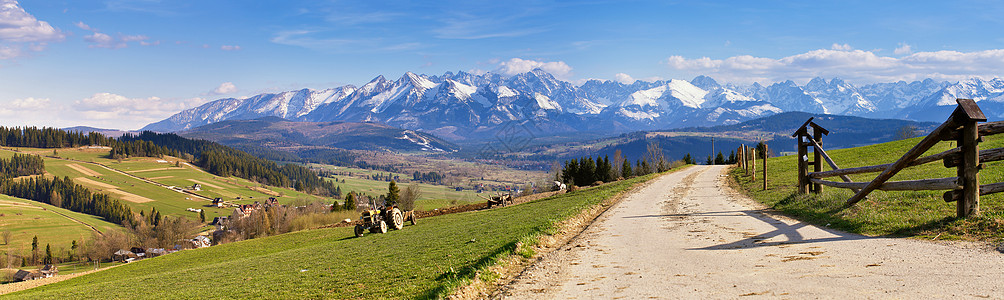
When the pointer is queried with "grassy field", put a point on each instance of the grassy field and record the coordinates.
(895, 213)
(424, 261)
(144, 196)
(52, 225)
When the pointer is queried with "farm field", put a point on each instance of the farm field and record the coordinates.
(144, 196)
(428, 260)
(52, 225)
(433, 196)
(894, 213)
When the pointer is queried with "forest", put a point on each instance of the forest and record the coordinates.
(67, 194)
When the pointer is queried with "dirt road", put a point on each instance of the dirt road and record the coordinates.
(689, 236)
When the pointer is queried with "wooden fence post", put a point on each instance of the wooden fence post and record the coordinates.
(766, 153)
(803, 180)
(817, 160)
(746, 161)
(753, 165)
(739, 156)
(968, 171)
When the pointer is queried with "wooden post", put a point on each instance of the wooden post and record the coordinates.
(803, 180)
(753, 164)
(766, 154)
(746, 162)
(968, 171)
(817, 160)
(739, 157)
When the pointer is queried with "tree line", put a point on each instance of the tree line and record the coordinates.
(47, 137)
(66, 194)
(22, 165)
(587, 171)
(226, 161)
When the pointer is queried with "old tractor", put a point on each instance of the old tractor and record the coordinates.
(379, 220)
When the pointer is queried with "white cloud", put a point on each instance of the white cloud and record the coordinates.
(903, 48)
(19, 30)
(225, 88)
(101, 40)
(517, 66)
(83, 26)
(31, 104)
(117, 111)
(854, 65)
(624, 78)
(844, 47)
(230, 47)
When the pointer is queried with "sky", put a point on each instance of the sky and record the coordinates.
(124, 64)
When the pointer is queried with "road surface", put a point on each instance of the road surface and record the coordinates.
(687, 235)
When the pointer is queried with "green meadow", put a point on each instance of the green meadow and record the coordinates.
(428, 260)
(893, 213)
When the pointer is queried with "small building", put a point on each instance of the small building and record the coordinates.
(218, 202)
(124, 255)
(23, 275)
(154, 252)
(197, 187)
(49, 271)
(201, 241)
(140, 252)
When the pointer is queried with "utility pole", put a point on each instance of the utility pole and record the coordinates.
(712, 150)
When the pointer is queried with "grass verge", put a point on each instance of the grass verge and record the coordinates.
(429, 260)
(921, 214)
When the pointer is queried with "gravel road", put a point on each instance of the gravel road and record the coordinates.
(688, 235)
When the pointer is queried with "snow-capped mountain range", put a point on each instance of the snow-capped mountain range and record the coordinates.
(462, 105)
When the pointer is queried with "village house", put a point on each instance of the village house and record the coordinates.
(49, 271)
(201, 242)
(23, 275)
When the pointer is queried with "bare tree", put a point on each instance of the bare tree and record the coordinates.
(615, 171)
(907, 131)
(409, 196)
(6, 237)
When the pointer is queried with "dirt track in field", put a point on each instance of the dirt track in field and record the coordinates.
(690, 236)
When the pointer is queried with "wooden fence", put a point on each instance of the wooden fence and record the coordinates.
(746, 159)
(964, 189)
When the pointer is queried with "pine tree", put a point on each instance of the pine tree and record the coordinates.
(393, 194)
(202, 215)
(350, 201)
(720, 159)
(626, 171)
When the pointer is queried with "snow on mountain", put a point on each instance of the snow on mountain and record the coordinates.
(838, 97)
(463, 105)
(987, 93)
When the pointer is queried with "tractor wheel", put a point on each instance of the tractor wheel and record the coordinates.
(379, 227)
(396, 219)
(359, 230)
(413, 218)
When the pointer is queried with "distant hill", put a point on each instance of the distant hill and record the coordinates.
(107, 132)
(845, 132)
(280, 134)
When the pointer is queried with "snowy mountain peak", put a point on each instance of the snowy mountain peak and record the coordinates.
(706, 83)
(460, 105)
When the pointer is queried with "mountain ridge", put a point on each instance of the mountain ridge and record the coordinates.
(461, 106)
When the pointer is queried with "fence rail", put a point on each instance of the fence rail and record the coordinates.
(964, 189)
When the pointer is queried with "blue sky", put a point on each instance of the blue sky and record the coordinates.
(123, 64)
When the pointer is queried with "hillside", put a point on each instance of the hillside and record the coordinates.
(277, 133)
(897, 213)
(52, 225)
(776, 129)
(428, 260)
